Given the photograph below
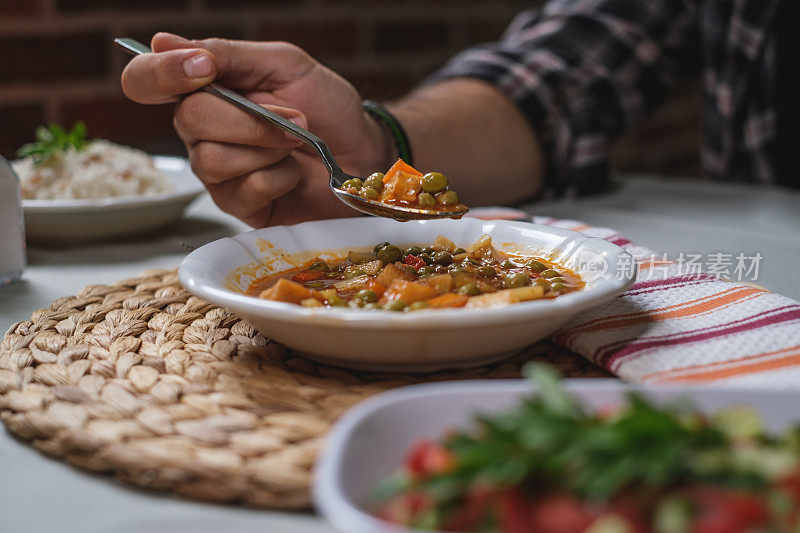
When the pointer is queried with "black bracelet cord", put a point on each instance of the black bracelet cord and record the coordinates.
(390, 122)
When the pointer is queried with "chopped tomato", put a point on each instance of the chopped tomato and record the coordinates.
(428, 459)
(605, 412)
(791, 485)
(308, 275)
(406, 507)
(559, 513)
(470, 516)
(721, 510)
(414, 261)
(513, 513)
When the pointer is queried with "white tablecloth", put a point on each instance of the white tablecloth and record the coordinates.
(41, 494)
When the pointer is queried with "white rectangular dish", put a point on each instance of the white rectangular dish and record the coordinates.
(371, 440)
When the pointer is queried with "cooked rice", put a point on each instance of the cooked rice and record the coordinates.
(101, 170)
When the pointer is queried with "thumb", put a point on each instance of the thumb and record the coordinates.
(247, 65)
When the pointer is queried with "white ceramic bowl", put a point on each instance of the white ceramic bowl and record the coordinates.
(371, 440)
(418, 341)
(83, 220)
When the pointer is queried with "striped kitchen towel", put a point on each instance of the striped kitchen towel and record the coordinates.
(680, 324)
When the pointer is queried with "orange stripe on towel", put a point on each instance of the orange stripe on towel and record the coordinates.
(678, 311)
(727, 369)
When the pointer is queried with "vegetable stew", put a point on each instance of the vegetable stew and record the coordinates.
(439, 275)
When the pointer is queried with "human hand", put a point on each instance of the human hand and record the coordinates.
(254, 170)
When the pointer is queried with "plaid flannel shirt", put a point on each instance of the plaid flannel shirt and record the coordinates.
(582, 71)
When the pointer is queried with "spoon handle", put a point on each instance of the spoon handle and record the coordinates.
(134, 47)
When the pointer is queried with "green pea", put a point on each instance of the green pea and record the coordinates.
(536, 266)
(416, 306)
(373, 306)
(353, 183)
(426, 257)
(320, 265)
(516, 280)
(429, 250)
(427, 271)
(507, 264)
(390, 254)
(487, 272)
(426, 200)
(335, 301)
(315, 284)
(459, 251)
(409, 269)
(354, 273)
(414, 250)
(434, 182)
(470, 289)
(395, 305)
(375, 181)
(447, 198)
(379, 246)
(442, 258)
(550, 273)
(366, 296)
(557, 287)
(369, 193)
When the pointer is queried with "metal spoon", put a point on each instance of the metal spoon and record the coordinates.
(338, 176)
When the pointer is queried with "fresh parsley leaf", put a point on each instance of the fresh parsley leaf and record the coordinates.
(53, 139)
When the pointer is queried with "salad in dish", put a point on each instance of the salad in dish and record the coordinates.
(411, 278)
(405, 186)
(549, 465)
(64, 164)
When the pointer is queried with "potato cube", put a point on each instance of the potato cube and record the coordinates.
(356, 283)
(462, 278)
(443, 244)
(402, 186)
(391, 272)
(409, 291)
(441, 282)
(507, 297)
(372, 268)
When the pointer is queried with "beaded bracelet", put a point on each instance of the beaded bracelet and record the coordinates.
(390, 122)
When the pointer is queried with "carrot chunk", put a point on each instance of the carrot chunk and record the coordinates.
(308, 275)
(289, 291)
(449, 299)
(377, 287)
(401, 166)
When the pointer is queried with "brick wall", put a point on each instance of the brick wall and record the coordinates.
(58, 63)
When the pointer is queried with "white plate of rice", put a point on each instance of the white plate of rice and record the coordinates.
(103, 192)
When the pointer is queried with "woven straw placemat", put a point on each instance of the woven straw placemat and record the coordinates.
(166, 391)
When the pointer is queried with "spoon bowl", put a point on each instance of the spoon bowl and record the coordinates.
(397, 212)
(337, 175)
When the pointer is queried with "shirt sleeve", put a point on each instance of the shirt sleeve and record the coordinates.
(582, 71)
